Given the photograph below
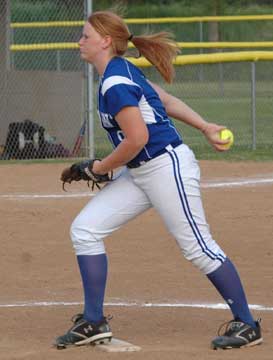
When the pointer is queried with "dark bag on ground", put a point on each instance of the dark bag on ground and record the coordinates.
(26, 140)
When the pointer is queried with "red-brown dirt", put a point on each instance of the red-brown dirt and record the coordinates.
(145, 265)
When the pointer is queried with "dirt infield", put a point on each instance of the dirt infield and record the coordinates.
(146, 266)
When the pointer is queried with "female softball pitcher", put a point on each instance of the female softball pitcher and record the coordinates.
(135, 113)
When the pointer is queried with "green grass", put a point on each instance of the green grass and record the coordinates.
(231, 108)
(236, 115)
(234, 154)
(201, 152)
(226, 103)
(205, 152)
(38, 161)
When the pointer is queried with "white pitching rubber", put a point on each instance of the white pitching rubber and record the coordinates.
(117, 345)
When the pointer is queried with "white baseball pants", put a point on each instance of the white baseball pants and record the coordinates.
(171, 184)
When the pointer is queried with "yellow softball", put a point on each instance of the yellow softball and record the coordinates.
(226, 134)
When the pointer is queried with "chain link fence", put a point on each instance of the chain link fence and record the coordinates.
(221, 93)
(43, 92)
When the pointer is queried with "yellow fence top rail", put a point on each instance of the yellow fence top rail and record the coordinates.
(46, 24)
(213, 58)
(180, 60)
(46, 46)
(147, 21)
(183, 45)
(224, 44)
(199, 19)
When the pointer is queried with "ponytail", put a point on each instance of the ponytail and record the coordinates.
(159, 49)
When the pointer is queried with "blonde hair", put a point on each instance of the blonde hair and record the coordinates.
(159, 49)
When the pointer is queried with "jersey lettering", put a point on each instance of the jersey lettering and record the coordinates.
(120, 135)
(122, 85)
(106, 120)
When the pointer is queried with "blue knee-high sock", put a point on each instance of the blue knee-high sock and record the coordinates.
(93, 270)
(228, 283)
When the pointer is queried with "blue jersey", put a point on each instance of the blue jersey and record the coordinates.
(123, 84)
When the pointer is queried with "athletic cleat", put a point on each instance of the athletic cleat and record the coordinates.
(84, 332)
(237, 334)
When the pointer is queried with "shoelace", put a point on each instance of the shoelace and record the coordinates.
(77, 317)
(229, 327)
(108, 317)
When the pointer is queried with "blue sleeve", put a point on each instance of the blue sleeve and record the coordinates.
(120, 96)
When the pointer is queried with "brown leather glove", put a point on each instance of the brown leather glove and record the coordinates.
(83, 171)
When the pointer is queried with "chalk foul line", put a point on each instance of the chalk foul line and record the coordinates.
(238, 183)
(212, 306)
(204, 185)
(45, 196)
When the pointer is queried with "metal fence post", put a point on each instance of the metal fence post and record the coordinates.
(58, 60)
(201, 36)
(221, 78)
(253, 103)
(89, 96)
(9, 38)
